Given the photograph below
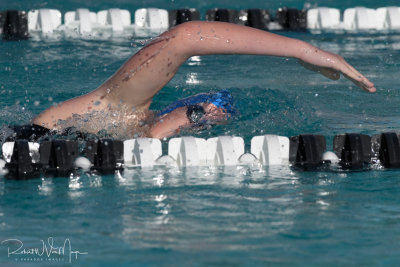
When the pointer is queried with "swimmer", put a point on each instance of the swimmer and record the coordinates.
(122, 102)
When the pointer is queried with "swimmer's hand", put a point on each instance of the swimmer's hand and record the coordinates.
(331, 66)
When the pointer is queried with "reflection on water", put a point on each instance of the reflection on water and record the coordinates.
(46, 188)
(192, 78)
(187, 197)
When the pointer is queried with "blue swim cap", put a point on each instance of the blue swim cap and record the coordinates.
(223, 99)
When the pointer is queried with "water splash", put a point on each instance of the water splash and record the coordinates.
(16, 114)
(120, 123)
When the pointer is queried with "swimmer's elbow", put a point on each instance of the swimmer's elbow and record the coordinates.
(187, 28)
(184, 37)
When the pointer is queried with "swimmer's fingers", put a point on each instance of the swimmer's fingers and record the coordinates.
(327, 72)
(356, 77)
(346, 69)
(363, 83)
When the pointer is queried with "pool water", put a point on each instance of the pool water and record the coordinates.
(209, 216)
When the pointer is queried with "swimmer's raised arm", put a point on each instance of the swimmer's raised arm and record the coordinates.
(146, 72)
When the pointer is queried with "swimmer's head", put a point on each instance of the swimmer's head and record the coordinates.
(206, 114)
(196, 112)
(222, 99)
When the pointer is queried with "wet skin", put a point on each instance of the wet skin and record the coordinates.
(132, 88)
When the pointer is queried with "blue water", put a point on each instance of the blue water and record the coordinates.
(210, 216)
